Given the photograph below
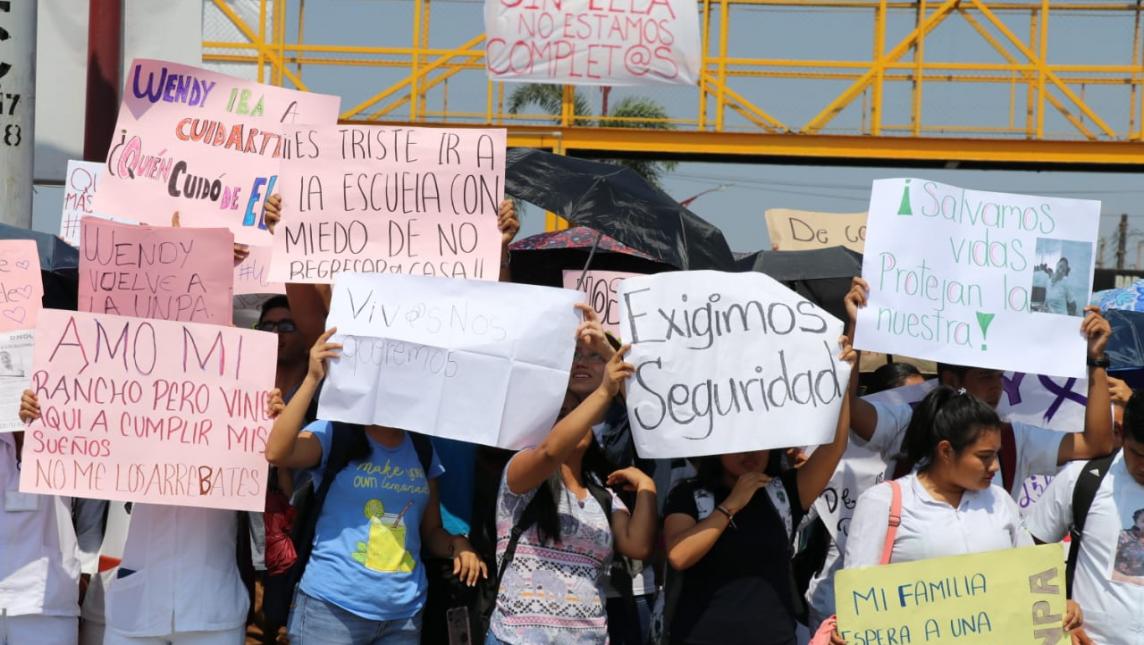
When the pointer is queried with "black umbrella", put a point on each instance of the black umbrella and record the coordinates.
(822, 276)
(59, 265)
(618, 202)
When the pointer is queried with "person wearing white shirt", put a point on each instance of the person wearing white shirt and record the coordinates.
(178, 582)
(39, 561)
(1109, 578)
(1039, 451)
(950, 505)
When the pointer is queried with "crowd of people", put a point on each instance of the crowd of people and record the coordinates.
(577, 539)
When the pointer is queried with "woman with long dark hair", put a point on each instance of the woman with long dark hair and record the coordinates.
(558, 527)
(729, 534)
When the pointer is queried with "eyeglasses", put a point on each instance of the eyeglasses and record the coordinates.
(278, 326)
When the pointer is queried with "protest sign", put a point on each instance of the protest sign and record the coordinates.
(80, 186)
(15, 375)
(602, 288)
(728, 362)
(1008, 596)
(482, 362)
(149, 411)
(976, 278)
(794, 230)
(204, 144)
(593, 42)
(373, 199)
(156, 272)
(21, 287)
(252, 275)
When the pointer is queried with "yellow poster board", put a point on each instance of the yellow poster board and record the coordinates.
(1009, 597)
(794, 230)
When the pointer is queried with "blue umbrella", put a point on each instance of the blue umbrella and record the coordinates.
(1126, 299)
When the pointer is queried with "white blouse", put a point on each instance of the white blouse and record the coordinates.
(986, 520)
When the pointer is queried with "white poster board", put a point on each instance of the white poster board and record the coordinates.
(80, 186)
(978, 278)
(593, 42)
(728, 362)
(477, 361)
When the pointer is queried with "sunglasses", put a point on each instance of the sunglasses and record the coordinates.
(278, 326)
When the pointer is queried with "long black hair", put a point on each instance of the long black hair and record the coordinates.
(594, 471)
(709, 470)
(890, 376)
(949, 415)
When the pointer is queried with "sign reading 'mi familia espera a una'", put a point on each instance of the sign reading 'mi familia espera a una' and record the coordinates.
(978, 278)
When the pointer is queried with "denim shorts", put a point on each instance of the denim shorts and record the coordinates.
(316, 622)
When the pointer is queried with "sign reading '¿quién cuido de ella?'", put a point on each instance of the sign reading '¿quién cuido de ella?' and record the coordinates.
(978, 278)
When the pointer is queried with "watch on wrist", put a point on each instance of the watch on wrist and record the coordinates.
(1102, 362)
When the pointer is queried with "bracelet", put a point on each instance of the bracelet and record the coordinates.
(730, 516)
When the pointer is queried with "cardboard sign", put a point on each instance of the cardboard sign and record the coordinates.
(602, 289)
(380, 199)
(252, 275)
(21, 287)
(794, 230)
(592, 42)
(15, 375)
(482, 362)
(204, 144)
(156, 272)
(1007, 596)
(149, 411)
(728, 362)
(974, 278)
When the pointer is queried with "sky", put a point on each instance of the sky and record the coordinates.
(747, 190)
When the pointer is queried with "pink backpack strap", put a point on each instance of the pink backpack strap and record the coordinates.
(894, 520)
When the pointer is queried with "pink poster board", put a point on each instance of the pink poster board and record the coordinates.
(252, 275)
(379, 199)
(204, 144)
(21, 287)
(156, 272)
(149, 411)
(601, 288)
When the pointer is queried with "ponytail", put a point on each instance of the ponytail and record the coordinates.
(949, 415)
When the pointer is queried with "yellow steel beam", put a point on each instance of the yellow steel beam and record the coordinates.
(248, 33)
(844, 99)
(1039, 62)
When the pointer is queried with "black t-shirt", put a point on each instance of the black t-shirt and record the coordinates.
(741, 591)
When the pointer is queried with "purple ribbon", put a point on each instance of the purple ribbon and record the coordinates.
(1062, 393)
(1012, 387)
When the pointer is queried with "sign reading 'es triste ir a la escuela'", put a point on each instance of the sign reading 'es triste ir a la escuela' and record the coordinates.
(978, 278)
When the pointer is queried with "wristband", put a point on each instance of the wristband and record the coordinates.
(730, 516)
(1103, 362)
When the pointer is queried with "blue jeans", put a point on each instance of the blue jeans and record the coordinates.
(316, 622)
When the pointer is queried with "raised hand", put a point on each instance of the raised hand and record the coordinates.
(321, 352)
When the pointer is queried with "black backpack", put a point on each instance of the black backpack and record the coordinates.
(1083, 494)
(279, 592)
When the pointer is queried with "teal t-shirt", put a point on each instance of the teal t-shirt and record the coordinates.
(367, 546)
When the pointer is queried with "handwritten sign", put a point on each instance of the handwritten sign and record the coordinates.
(21, 287)
(15, 375)
(602, 289)
(363, 199)
(80, 187)
(204, 144)
(482, 362)
(975, 278)
(252, 275)
(1008, 596)
(592, 42)
(728, 362)
(794, 230)
(149, 411)
(161, 273)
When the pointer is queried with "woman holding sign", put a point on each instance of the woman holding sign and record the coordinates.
(558, 526)
(375, 508)
(729, 533)
(948, 503)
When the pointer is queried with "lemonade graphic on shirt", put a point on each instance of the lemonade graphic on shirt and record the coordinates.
(385, 550)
